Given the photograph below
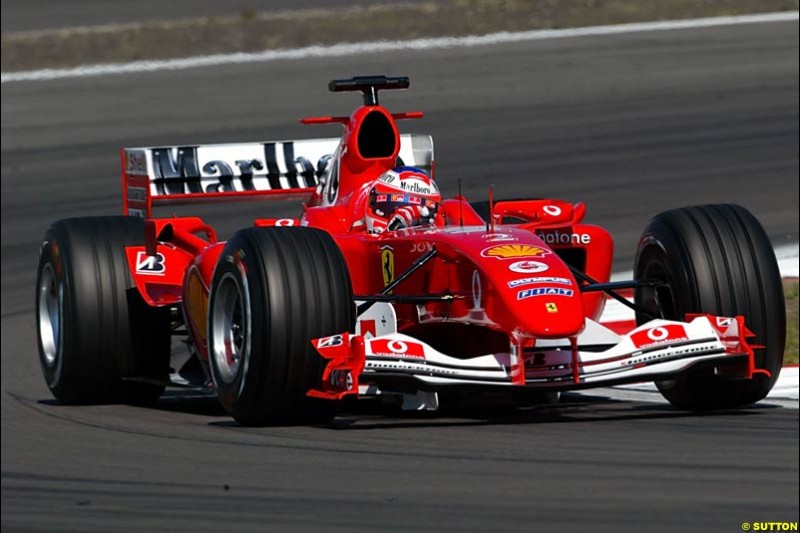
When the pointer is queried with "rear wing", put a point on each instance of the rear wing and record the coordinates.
(278, 170)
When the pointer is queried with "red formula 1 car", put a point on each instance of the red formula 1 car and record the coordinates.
(289, 316)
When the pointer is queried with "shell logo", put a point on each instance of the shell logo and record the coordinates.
(514, 251)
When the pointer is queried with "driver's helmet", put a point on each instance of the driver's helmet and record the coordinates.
(399, 188)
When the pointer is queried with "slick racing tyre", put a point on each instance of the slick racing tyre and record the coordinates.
(93, 327)
(715, 259)
(273, 291)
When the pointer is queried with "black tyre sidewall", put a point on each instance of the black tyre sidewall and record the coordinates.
(298, 289)
(53, 374)
(719, 260)
(108, 332)
(235, 260)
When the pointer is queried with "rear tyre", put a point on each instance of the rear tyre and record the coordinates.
(716, 259)
(275, 289)
(93, 327)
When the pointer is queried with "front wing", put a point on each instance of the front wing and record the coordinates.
(656, 350)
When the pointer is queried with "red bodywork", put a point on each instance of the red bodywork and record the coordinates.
(481, 264)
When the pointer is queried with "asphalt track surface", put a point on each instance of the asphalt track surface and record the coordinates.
(631, 124)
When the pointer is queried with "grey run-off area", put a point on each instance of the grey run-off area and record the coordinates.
(631, 124)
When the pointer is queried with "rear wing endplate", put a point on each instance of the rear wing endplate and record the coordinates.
(279, 170)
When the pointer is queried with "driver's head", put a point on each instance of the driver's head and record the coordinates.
(394, 190)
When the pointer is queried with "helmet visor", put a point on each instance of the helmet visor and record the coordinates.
(385, 205)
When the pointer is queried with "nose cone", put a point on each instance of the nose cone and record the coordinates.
(532, 290)
(537, 289)
(548, 311)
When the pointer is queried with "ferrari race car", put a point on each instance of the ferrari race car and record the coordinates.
(290, 316)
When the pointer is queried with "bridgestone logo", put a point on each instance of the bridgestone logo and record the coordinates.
(557, 237)
(150, 264)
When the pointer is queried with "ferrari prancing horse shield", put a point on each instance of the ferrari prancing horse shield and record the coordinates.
(387, 264)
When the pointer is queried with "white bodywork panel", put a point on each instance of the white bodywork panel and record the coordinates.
(658, 347)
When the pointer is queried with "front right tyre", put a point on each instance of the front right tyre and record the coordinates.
(714, 259)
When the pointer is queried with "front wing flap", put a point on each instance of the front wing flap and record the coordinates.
(658, 349)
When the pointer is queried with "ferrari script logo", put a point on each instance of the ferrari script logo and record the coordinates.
(514, 251)
(387, 265)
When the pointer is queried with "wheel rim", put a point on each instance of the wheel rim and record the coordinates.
(230, 319)
(51, 304)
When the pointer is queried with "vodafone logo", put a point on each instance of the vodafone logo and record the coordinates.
(552, 210)
(397, 348)
(528, 267)
(558, 237)
(659, 335)
(285, 222)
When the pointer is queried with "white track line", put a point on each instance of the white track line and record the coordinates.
(784, 393)
(348, 49)
(788, 260)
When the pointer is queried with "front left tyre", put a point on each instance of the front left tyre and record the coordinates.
(96, 334)
(273, 291)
